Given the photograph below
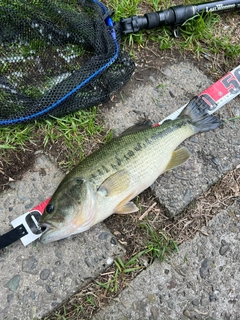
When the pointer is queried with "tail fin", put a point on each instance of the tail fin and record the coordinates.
(196, 111)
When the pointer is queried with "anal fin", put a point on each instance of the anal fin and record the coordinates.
(178, 158)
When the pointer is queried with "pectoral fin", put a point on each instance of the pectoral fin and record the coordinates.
(115, 184)
(178, 157)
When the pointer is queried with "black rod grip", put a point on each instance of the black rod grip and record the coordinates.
(174, 16)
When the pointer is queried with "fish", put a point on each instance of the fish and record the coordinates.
(107, 180)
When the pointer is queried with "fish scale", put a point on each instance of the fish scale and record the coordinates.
(146, 144)
(155, 152)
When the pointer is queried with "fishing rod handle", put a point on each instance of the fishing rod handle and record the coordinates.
(174, 16)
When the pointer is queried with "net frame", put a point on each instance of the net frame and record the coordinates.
(57, 25)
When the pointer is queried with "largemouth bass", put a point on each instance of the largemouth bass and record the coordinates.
(106, 181)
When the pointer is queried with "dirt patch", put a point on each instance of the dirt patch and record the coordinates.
(14, 163)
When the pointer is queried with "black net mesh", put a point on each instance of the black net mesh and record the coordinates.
(57, 57)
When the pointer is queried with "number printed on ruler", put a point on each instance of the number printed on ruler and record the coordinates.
(223, 90)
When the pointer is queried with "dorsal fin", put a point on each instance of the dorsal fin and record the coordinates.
(141, 126)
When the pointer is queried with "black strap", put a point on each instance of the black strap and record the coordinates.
(12, 236)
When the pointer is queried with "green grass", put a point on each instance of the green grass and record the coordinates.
(233, 118)
(199, 34)
(79, 310)
(124, 8)
(70, 132)
(122, 268)
(16, 136)
(159, 245)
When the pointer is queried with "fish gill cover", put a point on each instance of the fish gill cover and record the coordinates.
(57, 57)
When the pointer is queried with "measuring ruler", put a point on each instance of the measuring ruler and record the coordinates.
(216, 96)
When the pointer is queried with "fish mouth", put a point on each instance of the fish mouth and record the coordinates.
(47, 230)
(45, 227)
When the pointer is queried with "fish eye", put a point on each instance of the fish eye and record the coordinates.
(49, 208)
